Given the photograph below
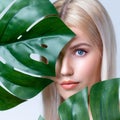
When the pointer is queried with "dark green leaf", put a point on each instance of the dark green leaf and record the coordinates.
(104, 100)
(18, 15)
(17, 60)
(27, 29)
(104, 103)
(7, 100)
(75, 108)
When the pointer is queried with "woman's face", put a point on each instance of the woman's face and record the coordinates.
(78, 65)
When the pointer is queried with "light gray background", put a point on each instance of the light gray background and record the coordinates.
(31, 109)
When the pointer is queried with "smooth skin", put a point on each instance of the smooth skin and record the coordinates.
(78, 65)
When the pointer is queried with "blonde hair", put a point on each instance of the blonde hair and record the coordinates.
(90, 16)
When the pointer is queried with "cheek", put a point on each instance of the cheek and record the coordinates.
(88, 68)
(91, 66)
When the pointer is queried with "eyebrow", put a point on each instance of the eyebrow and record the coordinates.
(80, 44)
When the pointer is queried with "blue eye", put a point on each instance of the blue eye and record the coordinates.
(80, 52)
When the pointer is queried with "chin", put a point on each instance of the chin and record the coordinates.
(67, 95)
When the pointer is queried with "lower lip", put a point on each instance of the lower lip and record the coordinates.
(69, 86)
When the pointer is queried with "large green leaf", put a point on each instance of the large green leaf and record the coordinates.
(104, 99)
(18, 15)
(21, 70)
(27, 29)
(104, 103)
(7, 100)
(76, 107)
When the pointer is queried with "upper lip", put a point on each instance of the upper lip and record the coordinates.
(69, 82)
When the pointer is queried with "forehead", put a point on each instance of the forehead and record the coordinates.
(87, 35)
(83, 38)
(80, 35)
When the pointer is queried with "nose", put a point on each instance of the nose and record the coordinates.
(66, 68)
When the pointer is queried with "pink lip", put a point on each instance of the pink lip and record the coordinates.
(69, 85)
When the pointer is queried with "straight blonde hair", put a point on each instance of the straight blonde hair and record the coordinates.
(91, 17)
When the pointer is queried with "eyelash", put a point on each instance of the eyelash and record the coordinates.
(80, 50)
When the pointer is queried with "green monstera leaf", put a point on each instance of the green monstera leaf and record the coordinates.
(75, 107)
(41, 118)
(31, 37)
(7, 100)
(104, 102)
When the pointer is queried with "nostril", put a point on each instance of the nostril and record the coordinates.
(39, 58)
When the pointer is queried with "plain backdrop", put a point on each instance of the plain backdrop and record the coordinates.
(31, 109)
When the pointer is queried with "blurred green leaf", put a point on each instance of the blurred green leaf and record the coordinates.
(104, 102)
(75, 107)
(41, 118)
(104, 99)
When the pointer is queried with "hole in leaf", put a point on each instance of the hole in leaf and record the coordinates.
(44, 59)
(39, 58)
(43, 45)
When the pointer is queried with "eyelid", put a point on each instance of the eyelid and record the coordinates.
(81, 45)
(83, 49)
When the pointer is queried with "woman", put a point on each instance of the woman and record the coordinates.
(88, 58)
